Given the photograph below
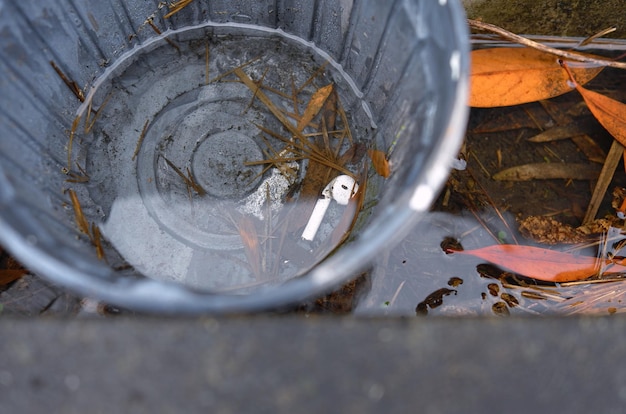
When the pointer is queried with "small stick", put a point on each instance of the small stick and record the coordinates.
(70, 83)
(89, 125)
(313, 76)
(294, 96)
(71, 142)
(260, 85)
(475, 24)
(158, 31)
(177, 6)
(228, 72)
(188, 181)
(276, 92)
(206, 62)
(78, 178)
(312, 152)
(344, 119)
(140, 140)
(81, 221)
(608, 170)
(97, 241)
(595, 36)
(267, 102)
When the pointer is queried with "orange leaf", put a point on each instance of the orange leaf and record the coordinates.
(541, 264)
(9, 275)
(609, 112)
(315, 105)
(381, 164)
(517, 75)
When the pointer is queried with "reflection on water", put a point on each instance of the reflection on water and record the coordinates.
(418, 277)
(207, 162)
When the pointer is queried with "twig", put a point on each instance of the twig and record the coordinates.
(89, 123)
(475, 24)
(206, 63)
(158, 31)
(608, 170)
(189, 182)
(591, 38)
(71, 84)
(176, 6)
(71, 142)
(140, 140)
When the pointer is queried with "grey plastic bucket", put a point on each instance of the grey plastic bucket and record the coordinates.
(407, 62)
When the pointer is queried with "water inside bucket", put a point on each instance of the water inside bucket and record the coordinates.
(206, 151)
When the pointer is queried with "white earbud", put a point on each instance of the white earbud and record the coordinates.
(341, 189)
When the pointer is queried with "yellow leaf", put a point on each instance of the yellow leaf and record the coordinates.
(380, 162)
(609, 112)
(315, 105)
(517, 75)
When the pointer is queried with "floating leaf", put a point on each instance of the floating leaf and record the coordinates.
(517, 75)
(380, 162)
(548, 171)
(315, 105)
(609, 112)
(542, 264)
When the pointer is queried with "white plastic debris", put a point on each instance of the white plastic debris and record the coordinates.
(341, 189)
(459, 164)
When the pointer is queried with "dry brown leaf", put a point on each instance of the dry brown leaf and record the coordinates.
(517, 75)
(609, 112)
(9, 275)
(380, 162)
(176, 6)
(315, 105)
(546, 171)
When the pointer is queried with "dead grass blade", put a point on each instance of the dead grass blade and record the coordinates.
(206, 63)
(140, 140)
(548, 171)
(315, 74)
(158, 31)
(70, 142)
(79, 217)
(89, 123)
(96, 239)
(604, 179)
(591, 38)
(231, 71)
(176, 6)
(72, 85)
(187, 180)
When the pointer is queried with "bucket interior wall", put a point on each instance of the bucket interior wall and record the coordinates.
(397, 53)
